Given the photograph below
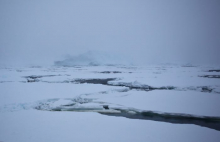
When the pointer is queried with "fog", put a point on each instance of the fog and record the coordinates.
(149, 31)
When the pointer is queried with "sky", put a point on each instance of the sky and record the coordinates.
(43, 31)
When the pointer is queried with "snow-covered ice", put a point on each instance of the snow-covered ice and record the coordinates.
(110, 103)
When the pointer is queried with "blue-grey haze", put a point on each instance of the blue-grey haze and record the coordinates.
(41, 31)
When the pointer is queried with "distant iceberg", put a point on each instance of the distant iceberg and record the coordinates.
(94, 58)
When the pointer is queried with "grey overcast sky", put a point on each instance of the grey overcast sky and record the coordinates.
(41, 31)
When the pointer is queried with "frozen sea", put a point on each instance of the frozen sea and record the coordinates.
(153, 103)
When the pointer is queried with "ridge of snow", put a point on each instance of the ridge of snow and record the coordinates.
(93, 58)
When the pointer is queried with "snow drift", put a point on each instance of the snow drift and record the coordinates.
(94, 58)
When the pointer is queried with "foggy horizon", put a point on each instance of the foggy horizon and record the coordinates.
(41, 32)
(109, 70)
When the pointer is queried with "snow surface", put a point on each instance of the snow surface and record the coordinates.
(20, 120)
